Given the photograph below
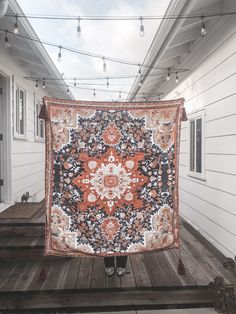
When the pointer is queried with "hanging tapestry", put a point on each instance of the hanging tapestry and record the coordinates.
(111, 176)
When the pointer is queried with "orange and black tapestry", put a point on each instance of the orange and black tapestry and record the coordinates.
(111, 176)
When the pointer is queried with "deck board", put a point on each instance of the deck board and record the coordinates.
(54, 282)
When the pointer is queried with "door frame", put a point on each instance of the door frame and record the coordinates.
(7, 138)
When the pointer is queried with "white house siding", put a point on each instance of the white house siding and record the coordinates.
(27, 154)
(210, 205)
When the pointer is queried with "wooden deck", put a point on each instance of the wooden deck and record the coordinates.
(31, 281)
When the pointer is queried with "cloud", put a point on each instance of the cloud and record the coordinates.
(118, 39)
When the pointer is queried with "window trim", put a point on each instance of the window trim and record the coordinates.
(193, 117)
(38, 138)
(17, 135)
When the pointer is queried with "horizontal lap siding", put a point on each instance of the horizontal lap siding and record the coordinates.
(210, 205)
(28, 157)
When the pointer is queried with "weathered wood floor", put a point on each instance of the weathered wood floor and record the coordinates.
(28, 280)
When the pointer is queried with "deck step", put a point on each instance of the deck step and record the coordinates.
(22, 229)
(90, 300)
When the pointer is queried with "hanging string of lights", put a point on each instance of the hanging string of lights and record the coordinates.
(119, 18)
(200, 16)
(81, 52)
(68, 86)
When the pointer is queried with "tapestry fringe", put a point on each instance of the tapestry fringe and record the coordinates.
(184, 115)
(43, 113)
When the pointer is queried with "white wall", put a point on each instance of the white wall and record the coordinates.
(27, 154)
(210, 205)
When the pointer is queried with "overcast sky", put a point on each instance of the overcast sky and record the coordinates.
(118, 39)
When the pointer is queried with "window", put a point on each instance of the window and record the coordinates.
(39, 123)
(196, 133)
(20, 112)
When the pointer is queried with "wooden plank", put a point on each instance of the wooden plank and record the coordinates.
(209, 257)
(107, 300)
(194, 265)
(171, 276)
(85, 273)
(113, 281)
(5, 269)
(98, 275)
(128, 280)
(40, 279)
(71, 273)
(55, 275)
(22, 253)
(140, 272)
(154, 272)
(27, 276)
(21, 230)
(9, 282)
(187, 279)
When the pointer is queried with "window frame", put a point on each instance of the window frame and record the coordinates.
(194, 116)
(18, 88)
(37, 109)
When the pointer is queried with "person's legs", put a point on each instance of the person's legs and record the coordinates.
(121, 265)
(109, 262)
(121, 261)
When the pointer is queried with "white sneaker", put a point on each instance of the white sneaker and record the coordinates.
(120, 271)
(109, 271)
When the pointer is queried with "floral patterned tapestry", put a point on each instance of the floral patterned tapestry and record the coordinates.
(111, 176)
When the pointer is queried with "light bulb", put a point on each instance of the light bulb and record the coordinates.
(119, 94)
(36, 85)
(59, 55)
(104, 65)
(94, 93)
(44, 84)
(107, 83)
(141, 30)
(7, 43)
(16, 28)
(168, 75)
(67, 90)
(176, 78)
(75, 82)
(139, 70)
(203, 29)
(78, 28)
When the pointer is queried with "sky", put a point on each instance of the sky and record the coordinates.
(117, 39)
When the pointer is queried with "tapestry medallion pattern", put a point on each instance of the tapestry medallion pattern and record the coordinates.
(111, 176)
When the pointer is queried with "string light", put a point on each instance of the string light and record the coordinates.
(140, 81)
(103, 90)
(16, 28)
(94, 93)
(176, 77)
(36, 85)
(203, 29)
(104, 65)
(168, 75)
(141, 30)
(44, 83)
(7, 43)
(67, 89)
(90, 54)
(59, 55)
(79, 28)
(107, 83)
(120, 18)
(139, 70)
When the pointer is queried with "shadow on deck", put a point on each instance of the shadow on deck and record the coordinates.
(31, 282)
